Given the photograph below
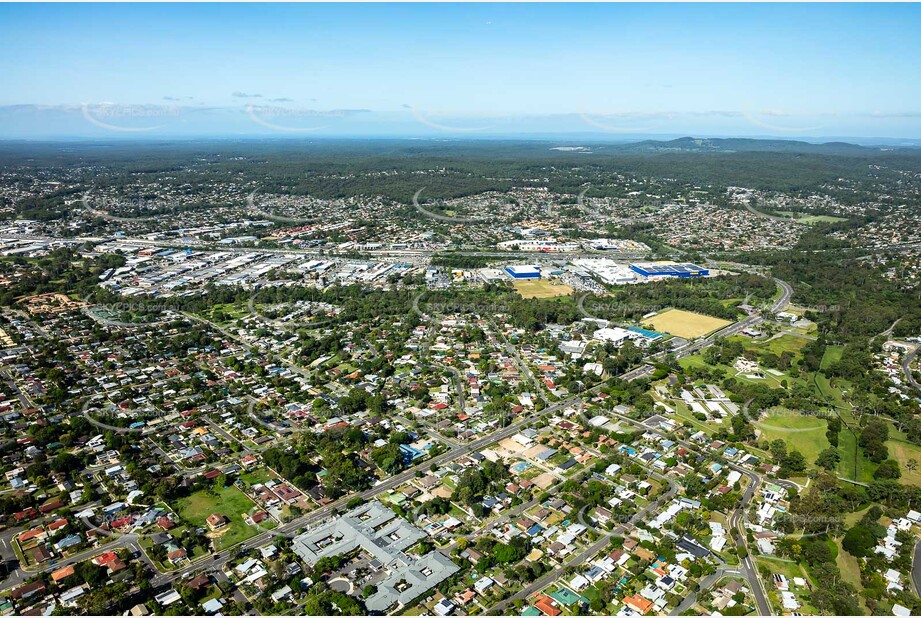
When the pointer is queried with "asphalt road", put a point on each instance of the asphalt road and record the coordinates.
(906, 368)
(408, 253)
(916, 557)
(749, 570)
(916, 569)
(738, 532)
(705, 584)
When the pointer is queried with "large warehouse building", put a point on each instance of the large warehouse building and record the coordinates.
(523, 272)
(668, 269)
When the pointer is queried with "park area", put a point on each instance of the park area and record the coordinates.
(540, 288)
(685, 324)
(229, 502)
(803, 218)
(905, 452)
(801, 432)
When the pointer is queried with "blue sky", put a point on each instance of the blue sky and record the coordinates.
(452, 69)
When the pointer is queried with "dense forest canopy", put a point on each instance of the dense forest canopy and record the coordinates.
(331, 168)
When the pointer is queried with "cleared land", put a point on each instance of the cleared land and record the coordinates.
(538, 288)
(685, 324)
(779, 345)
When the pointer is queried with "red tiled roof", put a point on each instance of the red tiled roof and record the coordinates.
(104, 558)
(638, 603)
(545, 605)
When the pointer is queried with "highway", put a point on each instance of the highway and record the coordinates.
(405, 253)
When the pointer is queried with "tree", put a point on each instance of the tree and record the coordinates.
(793, 462)
(828, 459)
(389, 458)
(859, 541)
(778, 450)
(889, 469)
(873, 440)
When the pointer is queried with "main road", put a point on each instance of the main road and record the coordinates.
(319, 515)
(906, 367)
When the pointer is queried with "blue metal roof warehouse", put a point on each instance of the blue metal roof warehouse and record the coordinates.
(523, 272)
(669, 270)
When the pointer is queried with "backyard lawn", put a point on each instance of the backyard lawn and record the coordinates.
(256, 477)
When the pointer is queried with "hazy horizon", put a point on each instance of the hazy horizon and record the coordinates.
(808, 72)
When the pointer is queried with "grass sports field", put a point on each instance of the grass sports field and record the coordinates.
(685, 323)
(538, 288)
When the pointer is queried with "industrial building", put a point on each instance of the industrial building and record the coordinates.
(618, 335)
(523, 272)
(609, 271)
(668, 269)
(617, 244)
(534, 244)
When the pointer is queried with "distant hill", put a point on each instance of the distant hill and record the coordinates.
(729, 145)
